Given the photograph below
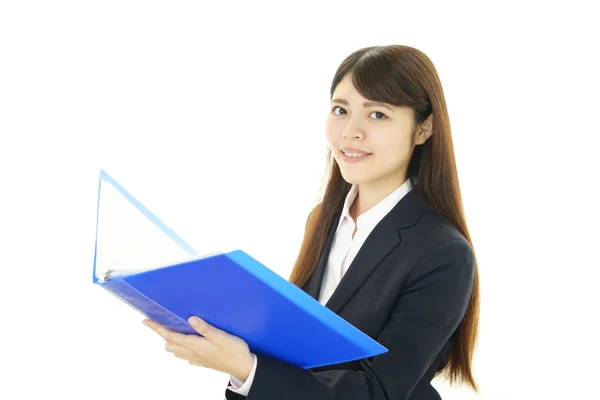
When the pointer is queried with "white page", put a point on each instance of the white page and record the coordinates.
(130, 238)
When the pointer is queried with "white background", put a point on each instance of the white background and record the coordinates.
(213, 116)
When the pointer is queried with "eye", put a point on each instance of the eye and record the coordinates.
(338, 107)
(380, 115)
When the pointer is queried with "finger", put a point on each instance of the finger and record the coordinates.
(205, 329)
(196, 363)
(191, 360)
(166, 334)
(179, 350)
(159, 329)
(188, 359)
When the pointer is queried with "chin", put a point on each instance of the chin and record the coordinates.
(355, 178)
(355, 174)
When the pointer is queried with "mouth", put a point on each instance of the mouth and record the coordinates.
(354, 155)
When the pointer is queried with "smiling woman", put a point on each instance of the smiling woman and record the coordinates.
(387, 248)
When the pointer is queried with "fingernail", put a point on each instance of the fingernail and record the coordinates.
(195, 321)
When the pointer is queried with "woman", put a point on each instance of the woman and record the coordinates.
(390, 231)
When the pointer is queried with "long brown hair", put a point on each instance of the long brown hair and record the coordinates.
(402, 76)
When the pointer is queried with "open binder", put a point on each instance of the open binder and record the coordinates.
(147, 265)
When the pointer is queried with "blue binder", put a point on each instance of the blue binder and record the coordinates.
(238, 294)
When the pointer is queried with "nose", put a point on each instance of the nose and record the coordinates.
(353, 131)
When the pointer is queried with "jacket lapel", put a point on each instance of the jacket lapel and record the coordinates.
(382, 240)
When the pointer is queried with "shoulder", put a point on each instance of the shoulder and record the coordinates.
(441, 245)
(437, 228)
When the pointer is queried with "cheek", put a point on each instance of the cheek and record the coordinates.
(395, 147)
(331, 133)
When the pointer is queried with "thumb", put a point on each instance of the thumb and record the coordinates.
(203, 328)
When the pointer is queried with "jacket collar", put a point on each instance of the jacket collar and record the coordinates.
(384, 238)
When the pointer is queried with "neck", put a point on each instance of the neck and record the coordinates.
(369, 194)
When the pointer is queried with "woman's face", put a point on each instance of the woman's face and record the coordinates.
(372, 142)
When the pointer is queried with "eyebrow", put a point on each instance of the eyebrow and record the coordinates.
(365, 104)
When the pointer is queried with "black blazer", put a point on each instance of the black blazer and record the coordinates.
(408, 288)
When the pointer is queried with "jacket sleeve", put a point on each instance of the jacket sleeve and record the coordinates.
(425, 316)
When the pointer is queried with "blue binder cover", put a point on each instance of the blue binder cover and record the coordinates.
(238, 294)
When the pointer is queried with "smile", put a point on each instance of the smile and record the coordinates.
(351, 157)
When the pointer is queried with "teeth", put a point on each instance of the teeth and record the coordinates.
(353, 154)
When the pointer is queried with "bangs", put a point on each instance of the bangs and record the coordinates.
(378, 78)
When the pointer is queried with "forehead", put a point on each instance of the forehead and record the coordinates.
(346, 93)
(346, 87)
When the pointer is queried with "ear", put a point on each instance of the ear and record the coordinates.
(424, 130)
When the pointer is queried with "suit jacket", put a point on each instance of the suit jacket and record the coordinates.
(408, 287)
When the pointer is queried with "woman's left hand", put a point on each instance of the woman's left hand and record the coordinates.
(216, 349)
